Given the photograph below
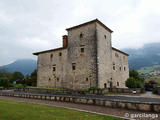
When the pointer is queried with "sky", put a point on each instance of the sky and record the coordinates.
(28, 26)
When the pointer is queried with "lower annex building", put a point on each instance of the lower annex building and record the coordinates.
(86, 59)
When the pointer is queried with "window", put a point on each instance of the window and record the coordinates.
(81, 35)
(105, 85)
(117, 83)
(73, 66)
(60, 54)
(120, 68)
(54, 67)
(82, 50)
(124, 68)
(57, 79)
(114, 67)
(49, 79)
(105, 36)
(116, 54)
(51, 56)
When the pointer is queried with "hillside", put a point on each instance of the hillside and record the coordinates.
(146, 56)
(26, 66)
(146, 59)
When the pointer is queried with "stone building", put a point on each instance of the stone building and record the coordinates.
(86, 59)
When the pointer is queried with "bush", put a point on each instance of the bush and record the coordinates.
(83, 91)
(133, 83)
(95, 88)
(18, 86)
(134, 80)
(155, 91)
(4, 82)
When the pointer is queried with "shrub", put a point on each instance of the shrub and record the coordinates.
(95, 88)
(133, 83)
(134, 80)
(4, 82)
(155, 91)
(18, 86)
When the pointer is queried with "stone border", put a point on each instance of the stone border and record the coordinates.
(153, 107)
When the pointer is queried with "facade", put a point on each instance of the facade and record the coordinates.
(86, 59)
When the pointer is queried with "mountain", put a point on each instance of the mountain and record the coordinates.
(26, 66)
(146, 56)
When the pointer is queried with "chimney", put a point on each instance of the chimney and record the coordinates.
(65, 40)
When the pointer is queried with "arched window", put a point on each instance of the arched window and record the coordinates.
(81, 35)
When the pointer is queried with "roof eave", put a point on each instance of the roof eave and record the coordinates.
(95, 20)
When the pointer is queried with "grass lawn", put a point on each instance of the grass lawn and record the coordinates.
(12, 110)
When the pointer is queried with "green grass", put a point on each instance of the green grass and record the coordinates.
(12, 110)
(145, 70)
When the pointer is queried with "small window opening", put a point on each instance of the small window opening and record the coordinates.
(81, 35)
(82, 50)
(124, 68)
(60, 54)
(51, 56)
(73, 66)
(105, 36)
(86, 79)
(54, 67)
(117, 83)
(105, 85)
(57, 79)
(116, 54)
(114, 67)
(120, 68)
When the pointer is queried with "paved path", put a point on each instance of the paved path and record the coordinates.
(149, 94)
(83, 107)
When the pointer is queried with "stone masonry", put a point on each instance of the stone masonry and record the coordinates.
(87, 59)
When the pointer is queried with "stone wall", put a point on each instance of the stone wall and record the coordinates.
(46, 76)
(120, 72)
(153, 107)
(84, 75)
(104, 56)
(86, 61)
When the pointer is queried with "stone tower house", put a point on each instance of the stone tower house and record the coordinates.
(86, 59)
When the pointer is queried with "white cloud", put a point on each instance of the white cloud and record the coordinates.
(29, 26)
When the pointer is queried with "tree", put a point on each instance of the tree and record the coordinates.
(4, 82)
(4, 73)
(134, 80)
(33, 77)
(16, 76)
(133, 73)
(31, 80)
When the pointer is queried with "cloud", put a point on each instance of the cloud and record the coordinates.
(33, 25)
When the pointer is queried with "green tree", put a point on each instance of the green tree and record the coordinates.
(133, 73)
(134, 80)
(31, 80)
(4, 82)
(16, 76)
(4, 73)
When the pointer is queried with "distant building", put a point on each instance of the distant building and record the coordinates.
(86, 59)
